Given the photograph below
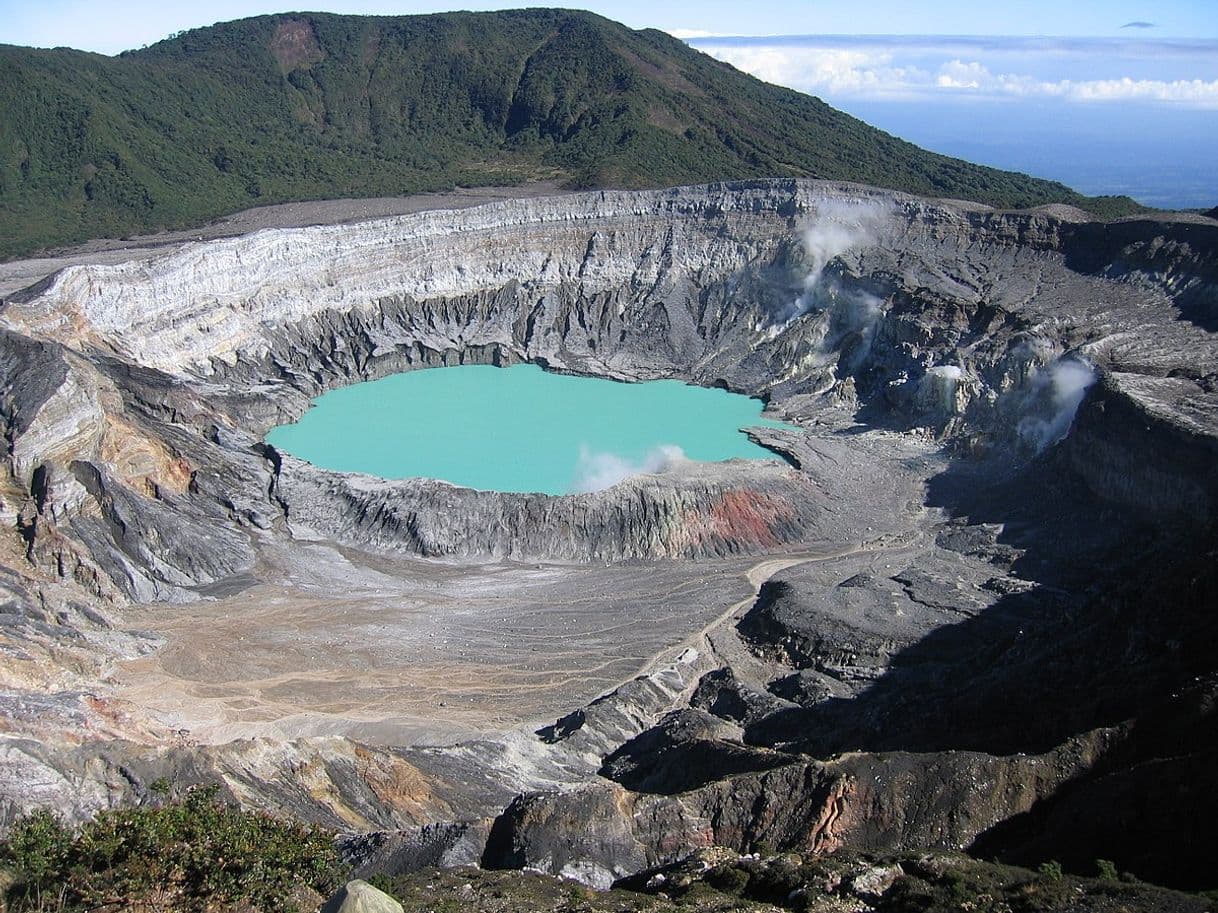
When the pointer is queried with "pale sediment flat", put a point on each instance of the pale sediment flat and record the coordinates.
(410, 651)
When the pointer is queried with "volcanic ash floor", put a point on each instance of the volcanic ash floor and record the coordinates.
(413, 651)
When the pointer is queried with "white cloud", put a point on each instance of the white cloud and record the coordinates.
(1184, 91)
(959, 75)
(974, 77)
(869, 70)
(845, 71)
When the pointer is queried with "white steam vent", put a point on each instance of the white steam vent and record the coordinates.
(838, 226)
(1054, 395)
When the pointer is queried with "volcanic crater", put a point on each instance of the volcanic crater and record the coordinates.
(972, 608)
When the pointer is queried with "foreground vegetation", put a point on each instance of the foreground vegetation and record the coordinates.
(192, 854)
(928, 883)
(309, 106)
(197, 853)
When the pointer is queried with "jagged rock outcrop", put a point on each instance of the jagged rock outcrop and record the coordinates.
(857, 801)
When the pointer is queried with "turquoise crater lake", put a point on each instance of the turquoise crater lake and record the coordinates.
(520, 428)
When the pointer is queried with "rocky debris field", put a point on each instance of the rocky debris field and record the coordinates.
(718, 879)
(967, 607)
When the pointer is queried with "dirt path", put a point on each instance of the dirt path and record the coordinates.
(757, 576)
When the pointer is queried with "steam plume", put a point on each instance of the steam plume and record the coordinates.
(839, 226)
(1055, 394)
(596, 470)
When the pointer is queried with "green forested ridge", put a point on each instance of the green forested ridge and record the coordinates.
(307, 106)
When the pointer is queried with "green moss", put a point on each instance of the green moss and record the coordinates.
(729, 879)
(1051, 870)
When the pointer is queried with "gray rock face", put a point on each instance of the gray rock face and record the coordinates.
(444, 845)
(684, 513)
(988, 545)
(861, 801)
(709, 284)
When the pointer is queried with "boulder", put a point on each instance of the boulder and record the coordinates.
(360, 897)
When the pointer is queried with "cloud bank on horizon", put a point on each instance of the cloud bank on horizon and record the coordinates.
(1173, 72)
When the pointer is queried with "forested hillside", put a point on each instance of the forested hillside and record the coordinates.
(306, 106)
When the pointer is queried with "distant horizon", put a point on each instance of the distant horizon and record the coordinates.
(112, 26)
(1134, 116)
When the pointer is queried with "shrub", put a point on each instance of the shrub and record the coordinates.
(1107, 870)
(1051, 870)
(187, 854)
(728, 878)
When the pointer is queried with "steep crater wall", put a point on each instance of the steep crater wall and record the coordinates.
(827, 300)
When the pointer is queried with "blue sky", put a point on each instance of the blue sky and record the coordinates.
(109, 26)
(1109, 96)
(1134, 114)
